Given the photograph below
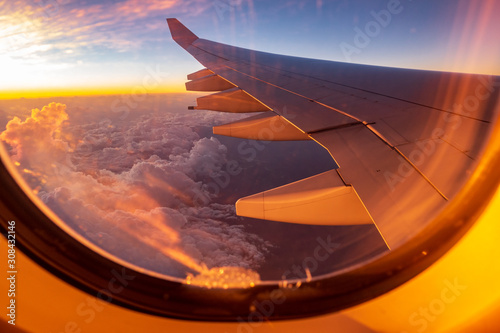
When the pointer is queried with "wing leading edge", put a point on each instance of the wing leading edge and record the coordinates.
(404, 140)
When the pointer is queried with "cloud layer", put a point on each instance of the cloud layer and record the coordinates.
(130, 186)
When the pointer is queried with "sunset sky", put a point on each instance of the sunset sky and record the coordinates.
(58, 47)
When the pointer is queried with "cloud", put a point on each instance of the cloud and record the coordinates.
(130, 187)
(38, 134)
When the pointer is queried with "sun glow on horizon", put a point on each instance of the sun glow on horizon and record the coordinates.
(90, 91)
(66, 48)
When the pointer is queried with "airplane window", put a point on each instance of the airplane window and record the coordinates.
(136, 187)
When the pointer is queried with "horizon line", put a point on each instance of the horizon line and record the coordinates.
(84, 92)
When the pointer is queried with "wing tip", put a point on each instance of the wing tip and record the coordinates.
(180, 34)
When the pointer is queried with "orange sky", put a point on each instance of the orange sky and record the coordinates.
(86, 91)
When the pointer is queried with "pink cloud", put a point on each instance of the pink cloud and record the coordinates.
(143, 8)
(39, 133)
(67, 24)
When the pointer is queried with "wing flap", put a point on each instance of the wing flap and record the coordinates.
(322, 199)
(199, 74)
(211, 82)
(232, 100)
(267, 127)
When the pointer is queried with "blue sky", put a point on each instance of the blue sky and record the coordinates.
(64, 44)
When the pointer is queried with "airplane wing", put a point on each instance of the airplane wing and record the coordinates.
(404, 140)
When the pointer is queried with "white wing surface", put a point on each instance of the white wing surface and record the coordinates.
(405, 140)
